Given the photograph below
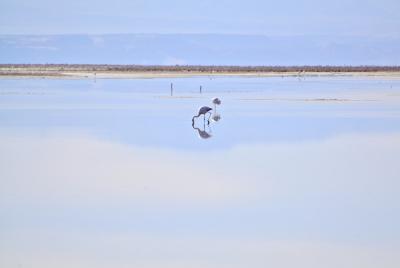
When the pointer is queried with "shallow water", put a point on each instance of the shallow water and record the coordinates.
(111, 173)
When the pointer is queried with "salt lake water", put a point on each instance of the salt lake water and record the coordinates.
(299, 171)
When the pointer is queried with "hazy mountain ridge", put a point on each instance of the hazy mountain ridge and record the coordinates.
(199, 49)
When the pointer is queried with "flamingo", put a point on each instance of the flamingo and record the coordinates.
(216, 101)
(203, 111)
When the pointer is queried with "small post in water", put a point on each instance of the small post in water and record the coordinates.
(201, 89)
(172, 89)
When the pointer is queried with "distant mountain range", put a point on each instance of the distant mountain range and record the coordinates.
(199, 49)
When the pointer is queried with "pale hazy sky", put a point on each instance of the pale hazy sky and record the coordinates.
(286, 17)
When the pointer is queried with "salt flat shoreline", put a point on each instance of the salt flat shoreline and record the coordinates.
(143, 72)
(150, 75)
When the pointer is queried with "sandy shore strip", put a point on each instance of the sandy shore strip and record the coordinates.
(149, 72)
(150, 75)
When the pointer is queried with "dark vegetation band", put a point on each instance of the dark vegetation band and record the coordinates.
(195, 68)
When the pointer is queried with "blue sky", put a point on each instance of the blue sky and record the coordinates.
(286, 17)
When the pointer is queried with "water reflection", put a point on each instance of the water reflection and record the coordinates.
(216, 117)
(75, 175)
(203, 133)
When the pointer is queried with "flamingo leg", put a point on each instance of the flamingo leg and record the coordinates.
(208, 120)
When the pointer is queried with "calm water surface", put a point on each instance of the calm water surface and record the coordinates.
(111, 173)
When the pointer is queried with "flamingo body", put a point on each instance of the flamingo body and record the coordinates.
(202, 111)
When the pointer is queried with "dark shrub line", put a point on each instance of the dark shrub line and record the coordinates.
(196, 68)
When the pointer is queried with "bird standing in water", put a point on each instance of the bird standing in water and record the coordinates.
(216, 101)
(216, 117)
(203, 111)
